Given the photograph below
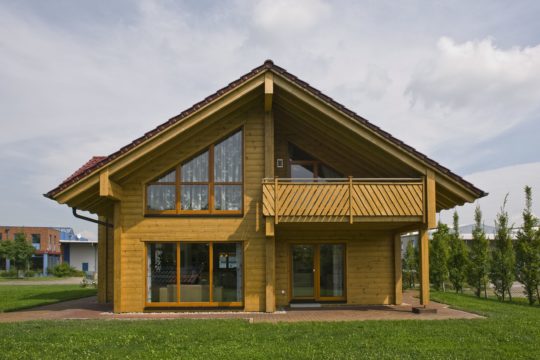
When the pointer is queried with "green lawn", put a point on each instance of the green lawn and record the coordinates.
(16, 297)
(511, 331)
(35, 278)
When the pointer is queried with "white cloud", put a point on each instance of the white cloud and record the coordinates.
(509, 180)
(478, 88)
(283, 16)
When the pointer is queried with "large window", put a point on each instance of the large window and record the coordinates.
(194, 274)
(208, 183)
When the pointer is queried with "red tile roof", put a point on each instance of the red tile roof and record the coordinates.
(88, 166)
(99, 161)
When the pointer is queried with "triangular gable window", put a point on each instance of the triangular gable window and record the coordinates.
(211, 182)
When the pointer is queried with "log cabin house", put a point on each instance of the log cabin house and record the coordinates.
(266, 193)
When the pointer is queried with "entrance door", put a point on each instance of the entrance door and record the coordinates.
(318, 272)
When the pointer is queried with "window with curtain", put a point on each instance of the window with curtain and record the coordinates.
(211, 182)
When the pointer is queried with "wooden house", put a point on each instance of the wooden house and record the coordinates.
(265, 193)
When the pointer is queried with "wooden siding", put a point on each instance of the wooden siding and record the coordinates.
(339, 201)
(369, 263)
(248, 228)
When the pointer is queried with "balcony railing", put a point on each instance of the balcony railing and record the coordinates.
(343, 200)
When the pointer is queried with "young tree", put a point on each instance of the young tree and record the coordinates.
(503, 259)
(5, 249)
(478, 256)
(438, 256)
(527, 252)
(458, 259)
(21, 252)
(410, 263)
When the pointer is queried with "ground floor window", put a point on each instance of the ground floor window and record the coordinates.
(195, 273)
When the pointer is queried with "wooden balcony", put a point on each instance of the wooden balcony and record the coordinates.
(344, 200)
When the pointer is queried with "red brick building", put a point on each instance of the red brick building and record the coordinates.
(45, 240)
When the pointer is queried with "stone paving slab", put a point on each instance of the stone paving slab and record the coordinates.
(88, 308)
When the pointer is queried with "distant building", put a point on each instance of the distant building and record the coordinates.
(45, 240)
(77, 251)
(465, 232)
(53, 245)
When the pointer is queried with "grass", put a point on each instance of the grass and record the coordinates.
(17, 297)
(510, 331)
(34, 278)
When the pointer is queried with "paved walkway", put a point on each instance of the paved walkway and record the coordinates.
(88, 308)
(57, 281)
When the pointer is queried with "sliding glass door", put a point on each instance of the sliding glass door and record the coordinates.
(318, 272)
(198, 274)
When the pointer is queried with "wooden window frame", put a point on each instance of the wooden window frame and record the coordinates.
(198, 304)
(211, 211)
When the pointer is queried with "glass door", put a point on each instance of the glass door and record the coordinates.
(318, 272)
(331, 271)
(303, 271)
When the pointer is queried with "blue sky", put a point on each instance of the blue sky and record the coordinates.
(460, 81)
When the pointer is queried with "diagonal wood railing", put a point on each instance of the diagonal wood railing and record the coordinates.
(338, 200)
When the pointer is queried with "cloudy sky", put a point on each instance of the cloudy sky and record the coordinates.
(460, 81)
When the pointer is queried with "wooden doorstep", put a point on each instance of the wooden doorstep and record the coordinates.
(424, 310)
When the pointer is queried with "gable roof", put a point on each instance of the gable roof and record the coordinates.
(98, 162)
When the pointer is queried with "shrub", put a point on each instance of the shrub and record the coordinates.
(29, 273)
(9, 273)
(64, 270)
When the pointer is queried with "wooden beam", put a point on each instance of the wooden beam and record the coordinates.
(270, 226)
(269, 144)
(398, 281)
(107, 187)
(430, 200)
(268, 91)
(102, 261)
(423, 243)
(117, 306)
(270, 274)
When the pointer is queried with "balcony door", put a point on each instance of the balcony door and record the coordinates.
(318, 272)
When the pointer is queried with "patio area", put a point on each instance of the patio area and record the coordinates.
(88, 308)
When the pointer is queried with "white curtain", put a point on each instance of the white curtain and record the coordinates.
(161, 197)
(196, 170)
(228, 159)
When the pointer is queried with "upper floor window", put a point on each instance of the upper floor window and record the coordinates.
(305, 166)
(36, 241)
(208, 183)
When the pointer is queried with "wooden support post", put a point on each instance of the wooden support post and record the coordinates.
(270, 274)
(269, 173)
(430, 200)
(270, 226)
(423, 243)
(398, 282)
(117, 306)
(102, 261)
(268, 91)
